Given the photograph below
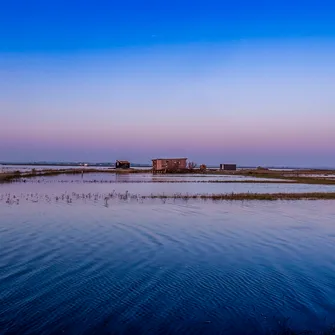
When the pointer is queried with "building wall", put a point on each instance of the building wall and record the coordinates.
(169, 163)
(122, 165)
(231, 167)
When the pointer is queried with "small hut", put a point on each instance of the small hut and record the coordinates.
(228, 167)
(169, 164)
(122, 165)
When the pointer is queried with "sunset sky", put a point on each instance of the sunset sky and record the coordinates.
(249, 82)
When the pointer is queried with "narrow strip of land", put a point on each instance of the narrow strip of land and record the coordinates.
(162, 181)
(71, 197)
(249, 196)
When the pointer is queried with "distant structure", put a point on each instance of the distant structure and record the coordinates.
(122, 165)
(169, 164)
(260, 168)
(203, 167)
(228, 167)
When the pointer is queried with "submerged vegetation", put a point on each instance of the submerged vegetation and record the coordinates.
(258, 175)
(13, 199)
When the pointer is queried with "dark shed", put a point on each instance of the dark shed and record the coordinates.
(122, 165)
(229, 167)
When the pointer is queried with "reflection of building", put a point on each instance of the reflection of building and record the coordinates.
(229, 167)
(122, 165)
(169, 164)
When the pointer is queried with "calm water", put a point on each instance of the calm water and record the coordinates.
(28, 168)
(147, 177)
(153, 267)
(145, 184)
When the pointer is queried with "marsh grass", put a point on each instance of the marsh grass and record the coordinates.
(9, 176)
(296, 176)
(298, 179)
(11, 198)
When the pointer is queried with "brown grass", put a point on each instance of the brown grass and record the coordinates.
(8, 176)
(44, 173)
(296, 176)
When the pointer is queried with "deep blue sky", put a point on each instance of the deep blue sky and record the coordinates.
(69, 26)
(244, 81)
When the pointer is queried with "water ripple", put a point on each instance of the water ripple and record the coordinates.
(163, 268)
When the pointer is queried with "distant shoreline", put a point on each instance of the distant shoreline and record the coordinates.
(318, 177)
(138, 165)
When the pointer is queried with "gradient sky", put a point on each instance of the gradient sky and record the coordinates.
(250, 82)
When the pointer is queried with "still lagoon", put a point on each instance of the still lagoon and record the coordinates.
(172, 267)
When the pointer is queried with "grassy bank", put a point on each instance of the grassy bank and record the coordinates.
(79, 171)
(45, 173)
(162, 181)
(8, 176)
(297, 176)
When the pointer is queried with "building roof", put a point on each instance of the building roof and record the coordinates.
(123, 162)
(165, 159)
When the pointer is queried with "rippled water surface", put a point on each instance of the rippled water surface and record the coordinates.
(154, 267)
(146, 184)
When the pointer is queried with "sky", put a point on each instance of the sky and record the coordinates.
(246, 82)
